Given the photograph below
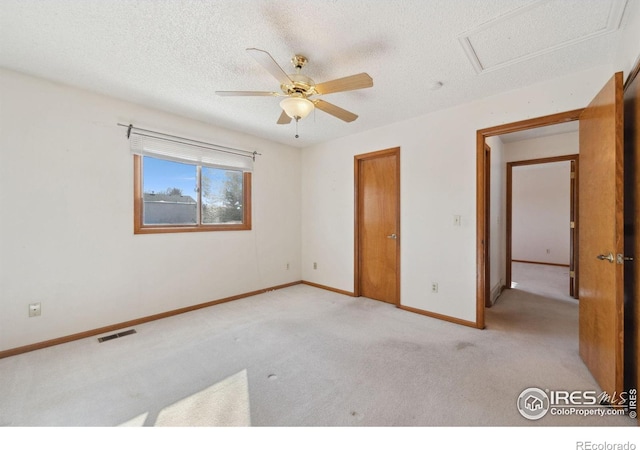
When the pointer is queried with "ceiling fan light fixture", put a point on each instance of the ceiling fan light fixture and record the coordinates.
(298, 89)
(297, 107)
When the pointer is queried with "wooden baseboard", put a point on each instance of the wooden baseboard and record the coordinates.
(538, 262)
(455, 320)
(327, 288)
(406, 308)
(130, 323)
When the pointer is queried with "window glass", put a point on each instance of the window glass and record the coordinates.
(170, 195)
(222, 196)
(174, 196)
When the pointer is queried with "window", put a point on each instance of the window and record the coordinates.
(178, 197)
(183, 185)
(173, 196)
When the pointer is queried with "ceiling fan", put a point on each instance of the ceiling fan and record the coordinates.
(299, 89)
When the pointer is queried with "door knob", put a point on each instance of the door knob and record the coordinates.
(608, 257)
(392, 236)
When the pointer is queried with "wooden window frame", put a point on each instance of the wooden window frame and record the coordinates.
(140, 228)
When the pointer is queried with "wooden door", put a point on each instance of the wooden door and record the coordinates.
(378, 225)
(632, 228)
(573, 230)
(600, 187)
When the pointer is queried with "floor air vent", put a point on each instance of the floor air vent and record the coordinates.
(117, 335)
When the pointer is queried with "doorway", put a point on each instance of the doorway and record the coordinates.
(377, 225)
(482, 176)
(541, 223)
(601, 237)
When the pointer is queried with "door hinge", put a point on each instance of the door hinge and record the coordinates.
(620, 258)
(572, 224)
(573, 175)
(572, 274)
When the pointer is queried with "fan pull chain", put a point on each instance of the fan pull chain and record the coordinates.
(297, 136)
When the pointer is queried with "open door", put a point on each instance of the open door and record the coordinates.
(601, 236)
(573, 231)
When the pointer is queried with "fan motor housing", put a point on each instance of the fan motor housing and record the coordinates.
(301, 86)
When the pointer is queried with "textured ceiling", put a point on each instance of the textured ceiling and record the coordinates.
(173, 55)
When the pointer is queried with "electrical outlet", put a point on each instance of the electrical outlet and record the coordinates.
(287, 266)
(457, 220)
(434, 287)
(315, 265)
(548, 251)
(35, 309)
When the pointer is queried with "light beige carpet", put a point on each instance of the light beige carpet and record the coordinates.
(302, 356)
(541, 279)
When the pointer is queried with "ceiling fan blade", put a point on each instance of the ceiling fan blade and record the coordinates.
(359, 81)
(270, 64)
(247, 93)
(334, 110)
(284, 119)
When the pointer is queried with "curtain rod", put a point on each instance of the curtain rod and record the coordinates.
(220, 148)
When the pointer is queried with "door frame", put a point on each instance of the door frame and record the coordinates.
(358, 159)
(573, 247)
(487, 223)
(482, 174)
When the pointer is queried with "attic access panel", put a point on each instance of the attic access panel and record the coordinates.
(539, 28)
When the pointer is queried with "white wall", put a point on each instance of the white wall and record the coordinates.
(543, 147)
(66, 218)
(438, 181)
(66, 207)
(628, 49)
(497, 231)
(541, 204)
